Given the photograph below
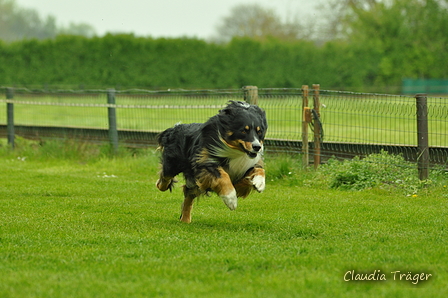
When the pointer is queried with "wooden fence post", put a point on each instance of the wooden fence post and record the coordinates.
(305, 147)
(422, 136)
(317, 128)
(10, 117)
(113, 132)
(251, 94)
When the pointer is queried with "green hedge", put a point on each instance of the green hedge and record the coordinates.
(129, 61)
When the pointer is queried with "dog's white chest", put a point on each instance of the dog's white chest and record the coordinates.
(238, 166)
(238, 161)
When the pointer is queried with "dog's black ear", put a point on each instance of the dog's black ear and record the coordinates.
(228, 110)
(233, 107)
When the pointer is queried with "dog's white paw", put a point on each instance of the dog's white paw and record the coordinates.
(259, 183)
(230, 200)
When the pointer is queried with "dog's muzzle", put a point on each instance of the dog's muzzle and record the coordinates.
(256, 148)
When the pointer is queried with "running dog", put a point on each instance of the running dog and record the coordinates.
(222, 155)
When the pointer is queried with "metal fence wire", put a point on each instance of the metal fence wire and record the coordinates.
(350, 124)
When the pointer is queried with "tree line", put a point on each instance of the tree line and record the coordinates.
(129, 61)
(374, 44)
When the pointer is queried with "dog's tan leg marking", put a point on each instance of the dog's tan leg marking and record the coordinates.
(190, 194)
(243, 187)
(222, 185)
(255, 179)
(259, 179)
(165, 183)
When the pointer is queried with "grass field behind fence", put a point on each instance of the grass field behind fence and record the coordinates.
(350, 119)
(86, 225)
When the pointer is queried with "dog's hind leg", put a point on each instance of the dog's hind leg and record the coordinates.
(165, 182)
(190, 194)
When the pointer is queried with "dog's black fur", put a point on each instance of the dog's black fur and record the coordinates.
(223, 155)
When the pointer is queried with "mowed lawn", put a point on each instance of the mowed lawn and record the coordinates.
(100, 228)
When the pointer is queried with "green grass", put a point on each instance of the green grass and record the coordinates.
(345, 118)
(78, 223)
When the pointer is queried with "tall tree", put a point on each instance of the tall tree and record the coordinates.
(18, 23)
(77, 29)
(334, 13)
(257, 22)
(409, 34)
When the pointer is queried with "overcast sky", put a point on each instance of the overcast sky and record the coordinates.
(157, 18)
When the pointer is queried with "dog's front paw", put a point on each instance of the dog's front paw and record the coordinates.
(259, 183)
(230, 200)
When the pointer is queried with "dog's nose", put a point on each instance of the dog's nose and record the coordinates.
(256, 148)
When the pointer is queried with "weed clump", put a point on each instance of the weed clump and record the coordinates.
(376, 170)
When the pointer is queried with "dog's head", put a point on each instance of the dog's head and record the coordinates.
(243, 127)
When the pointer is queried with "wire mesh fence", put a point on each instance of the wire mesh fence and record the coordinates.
(353, 124)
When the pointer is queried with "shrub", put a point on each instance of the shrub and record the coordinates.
(376, 170)
(123, 60)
